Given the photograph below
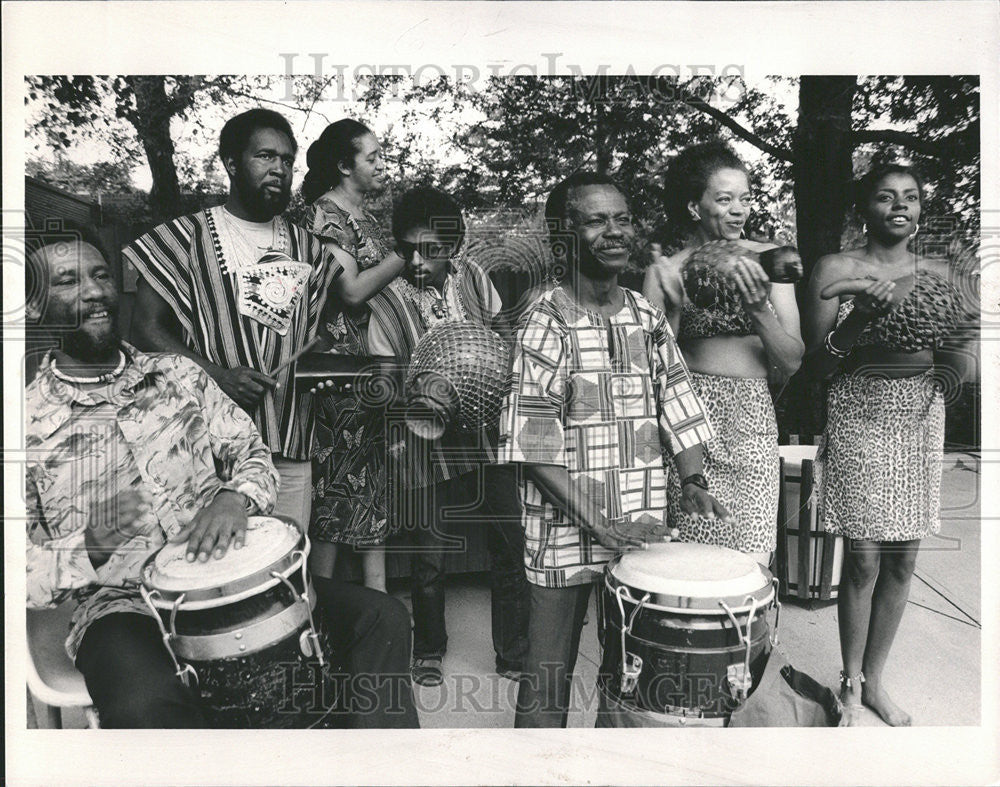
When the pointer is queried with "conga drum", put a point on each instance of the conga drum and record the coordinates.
(241, 629)
(809, 560)
(686, 634)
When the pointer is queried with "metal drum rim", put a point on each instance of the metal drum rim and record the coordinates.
(255, 636)
(686, 605)
(233, 591)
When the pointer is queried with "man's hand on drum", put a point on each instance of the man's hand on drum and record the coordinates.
(616, 534)
(221, 523)
(626, 533)
(696, 502)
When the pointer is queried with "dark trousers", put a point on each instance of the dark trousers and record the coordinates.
(555, 624)
(131, 678)
(489, 497)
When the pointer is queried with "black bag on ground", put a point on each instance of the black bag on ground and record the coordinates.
(787, 697)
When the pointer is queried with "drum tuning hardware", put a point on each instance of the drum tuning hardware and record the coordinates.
(777, 612)
(739, 680)
(746, 640)
(631, 669)
(309, 639)
(309, 645)
(186, 672)
(631, 663)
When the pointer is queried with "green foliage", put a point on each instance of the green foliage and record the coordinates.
(509, 141)
(942, 139)
(525, 134)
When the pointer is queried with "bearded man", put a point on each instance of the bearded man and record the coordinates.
(238, 290)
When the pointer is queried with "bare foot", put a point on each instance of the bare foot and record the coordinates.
(876, 699)
(850, 715)
(851, 708)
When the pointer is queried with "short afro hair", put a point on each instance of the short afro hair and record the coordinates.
(236, 133)
(687, 177)
(428, 207)
(866, 186)
(557, 204)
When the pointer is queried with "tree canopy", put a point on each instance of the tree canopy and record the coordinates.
(509, 140)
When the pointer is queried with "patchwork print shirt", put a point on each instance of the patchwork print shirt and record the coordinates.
(164, 425)
(609, 398)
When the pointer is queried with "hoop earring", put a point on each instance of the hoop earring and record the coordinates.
(916, 228)
(694, 216)
(864, 228)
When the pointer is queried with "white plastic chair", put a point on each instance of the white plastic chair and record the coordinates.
(52, 678)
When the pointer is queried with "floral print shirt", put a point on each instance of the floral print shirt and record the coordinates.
(365, 241)
(163, 425)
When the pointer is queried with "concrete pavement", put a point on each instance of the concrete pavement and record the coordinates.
(933, 671)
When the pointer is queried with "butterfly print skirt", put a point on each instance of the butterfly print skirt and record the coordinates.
(349, 477)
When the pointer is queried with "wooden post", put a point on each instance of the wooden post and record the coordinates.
(781, 553)
(805, 528)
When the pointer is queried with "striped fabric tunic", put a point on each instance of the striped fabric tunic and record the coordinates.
(183, 261)
(396, 326)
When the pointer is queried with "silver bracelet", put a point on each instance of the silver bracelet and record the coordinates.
(835, 352)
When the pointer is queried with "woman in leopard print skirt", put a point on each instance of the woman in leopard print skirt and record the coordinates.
(731, 352)
(884, 345)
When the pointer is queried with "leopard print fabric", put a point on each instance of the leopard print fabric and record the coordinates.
(879, 462)
(741, 465)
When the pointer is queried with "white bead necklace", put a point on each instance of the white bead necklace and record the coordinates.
(101, 378)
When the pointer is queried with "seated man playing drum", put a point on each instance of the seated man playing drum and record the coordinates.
(597, 396)
(128, 451)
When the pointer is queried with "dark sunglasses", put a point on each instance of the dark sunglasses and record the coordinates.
(428, 250)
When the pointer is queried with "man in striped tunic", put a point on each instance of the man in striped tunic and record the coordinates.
(238, 290)
(597, 398)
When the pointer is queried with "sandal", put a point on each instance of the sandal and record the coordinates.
(427, 672)
(847, 682)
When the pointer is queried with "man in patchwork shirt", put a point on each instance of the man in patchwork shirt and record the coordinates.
(598, 393)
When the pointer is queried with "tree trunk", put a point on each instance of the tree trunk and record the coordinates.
(823, 167)
(153, 113)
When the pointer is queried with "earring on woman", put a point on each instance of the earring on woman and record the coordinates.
(916, 228)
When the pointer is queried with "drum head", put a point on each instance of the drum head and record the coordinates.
(268, 540)
(695, 575)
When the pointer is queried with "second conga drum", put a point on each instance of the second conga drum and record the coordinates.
(242, 632)
(686, 633)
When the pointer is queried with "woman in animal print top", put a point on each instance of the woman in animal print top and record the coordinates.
(731, 352)
(882, 323)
